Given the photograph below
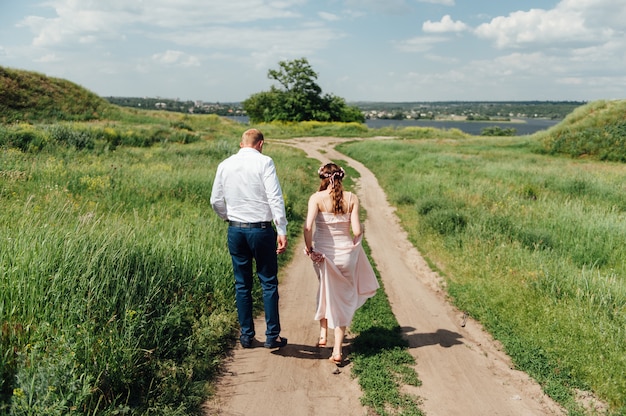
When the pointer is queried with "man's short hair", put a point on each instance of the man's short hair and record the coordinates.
(251, 137)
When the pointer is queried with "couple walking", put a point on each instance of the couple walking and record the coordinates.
(247, 194)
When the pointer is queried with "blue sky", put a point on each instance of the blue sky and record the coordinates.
(362, 50)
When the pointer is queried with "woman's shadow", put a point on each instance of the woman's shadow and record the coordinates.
(373, 340)
(441, 337)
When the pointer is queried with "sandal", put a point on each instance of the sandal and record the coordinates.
(336, 359)
(321, 342)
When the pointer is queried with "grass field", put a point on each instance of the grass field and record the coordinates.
(530, 245)
(115, 282)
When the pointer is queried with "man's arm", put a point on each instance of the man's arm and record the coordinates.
(275, 199)
(217, 196)
(281, 244)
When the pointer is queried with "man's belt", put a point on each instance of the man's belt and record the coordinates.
(264, 224)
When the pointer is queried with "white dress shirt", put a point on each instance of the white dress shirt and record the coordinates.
(246, 189)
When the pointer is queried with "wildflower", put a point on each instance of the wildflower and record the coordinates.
(19, 393)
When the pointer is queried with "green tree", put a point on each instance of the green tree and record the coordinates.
(296, 76)
(298, 98)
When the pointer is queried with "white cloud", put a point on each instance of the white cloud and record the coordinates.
(419, 44)
(570, 22)
(598, 13)
(328, 16)
(176, 58)
(73, 26)
(446, 24)
(575, 81)
(524, 65)
(290, 42)
(187, 13)
(86, 19)
(380, 6)
(536, 26)
(48, 58)
(443, 2)
(442, 59)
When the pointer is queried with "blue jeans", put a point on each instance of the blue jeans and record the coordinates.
(258, 244)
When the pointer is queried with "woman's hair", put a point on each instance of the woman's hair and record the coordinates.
(331, 175)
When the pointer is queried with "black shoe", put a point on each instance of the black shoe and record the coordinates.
(277, 342)
(246, 341)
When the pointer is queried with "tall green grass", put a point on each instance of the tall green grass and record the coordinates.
(531, 245)
(116, 289)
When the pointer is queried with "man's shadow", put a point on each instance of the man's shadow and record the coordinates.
(305, 352)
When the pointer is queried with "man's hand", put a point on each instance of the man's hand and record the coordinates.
(281, 241)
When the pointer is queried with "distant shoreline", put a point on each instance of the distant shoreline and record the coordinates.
(523, 126)
(464, 119)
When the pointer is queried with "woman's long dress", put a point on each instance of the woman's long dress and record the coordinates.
(346, 277)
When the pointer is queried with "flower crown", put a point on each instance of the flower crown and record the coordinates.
(325, 175)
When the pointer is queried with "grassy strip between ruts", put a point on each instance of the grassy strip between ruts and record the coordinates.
(380, 356)
(381, 359)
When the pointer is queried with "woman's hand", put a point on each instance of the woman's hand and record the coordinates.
(315, 256)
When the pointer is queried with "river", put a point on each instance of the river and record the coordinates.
(522, 128)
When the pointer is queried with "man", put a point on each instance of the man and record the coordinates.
(246, 193)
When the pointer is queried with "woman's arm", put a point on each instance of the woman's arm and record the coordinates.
(308, 225)
(354, 218)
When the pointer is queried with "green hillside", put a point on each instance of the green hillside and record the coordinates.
(33, 97)
(596, 130)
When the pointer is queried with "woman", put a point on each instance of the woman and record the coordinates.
(346, 278)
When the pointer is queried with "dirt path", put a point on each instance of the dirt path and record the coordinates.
(463, 371)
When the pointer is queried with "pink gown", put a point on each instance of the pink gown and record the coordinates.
(345, 275)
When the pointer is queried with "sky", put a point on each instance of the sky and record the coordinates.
(362, 50)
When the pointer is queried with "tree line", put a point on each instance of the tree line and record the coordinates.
(298, 97)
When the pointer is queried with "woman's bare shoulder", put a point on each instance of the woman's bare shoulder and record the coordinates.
(317, 197)
(349, 195)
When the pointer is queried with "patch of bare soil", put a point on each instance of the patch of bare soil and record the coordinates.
(462, 369)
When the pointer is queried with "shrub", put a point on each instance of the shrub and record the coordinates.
(426, 205)
(446, 222)
(498, 131)
(535, 239)
(24, 137)
(405, 200)
(72, 136)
